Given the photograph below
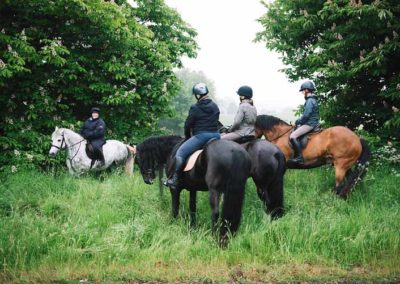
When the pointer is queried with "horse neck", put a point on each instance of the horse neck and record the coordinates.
(71, 137)
(280, 131)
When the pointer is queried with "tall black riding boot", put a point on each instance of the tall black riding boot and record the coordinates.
(177, 176)
(298, 157)
(101, 157)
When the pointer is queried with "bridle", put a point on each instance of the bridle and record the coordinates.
(61, 146)
(62, 142)
(279, 136)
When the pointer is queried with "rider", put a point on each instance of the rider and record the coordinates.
(245, 118)
(201, 125)
(93, 131)
(308, 121)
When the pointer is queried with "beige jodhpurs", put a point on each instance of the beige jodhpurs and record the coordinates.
(301, 131)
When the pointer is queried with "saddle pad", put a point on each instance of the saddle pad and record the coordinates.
(192, 159)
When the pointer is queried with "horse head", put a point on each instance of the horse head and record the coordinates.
(146, 165)
(153, 153)
(57, 141)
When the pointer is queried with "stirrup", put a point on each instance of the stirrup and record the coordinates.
(173, 181)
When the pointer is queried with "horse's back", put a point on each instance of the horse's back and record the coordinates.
(227, 160)
(264, 155)
(115, 149)
(336, 140)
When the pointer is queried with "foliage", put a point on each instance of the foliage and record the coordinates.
(350, 49)
(184, 99)
(59, 58)
(55, 228)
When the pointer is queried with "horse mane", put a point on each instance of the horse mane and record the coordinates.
(266, 122)
(60, 131)
(158, 148)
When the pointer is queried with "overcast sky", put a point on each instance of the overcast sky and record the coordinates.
(229, 57)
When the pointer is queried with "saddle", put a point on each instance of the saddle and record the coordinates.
(304, 138)
(193, 158)
(93, 153)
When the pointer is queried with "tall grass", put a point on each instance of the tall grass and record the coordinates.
(59, 228)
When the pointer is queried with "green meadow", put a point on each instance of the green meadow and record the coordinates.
(60, 229)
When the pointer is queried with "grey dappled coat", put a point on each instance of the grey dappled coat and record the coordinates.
(245, 119)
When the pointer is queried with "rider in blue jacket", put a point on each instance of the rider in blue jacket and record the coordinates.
(307, 122)
(201, 125)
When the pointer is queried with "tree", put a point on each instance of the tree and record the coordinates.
(185, 99)
(59, 58)
(351, 50)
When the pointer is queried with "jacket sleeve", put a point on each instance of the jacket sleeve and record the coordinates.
(99, 131)
(238, 119)
(308, 110)
(84, 131)
(189, 121)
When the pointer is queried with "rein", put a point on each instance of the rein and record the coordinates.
(68, 147)
(279, 136)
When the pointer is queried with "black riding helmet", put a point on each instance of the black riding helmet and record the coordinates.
(95, 109)
(245, 91)
(307, 85)
(200, 89)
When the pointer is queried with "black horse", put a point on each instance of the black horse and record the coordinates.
(152, 155)
(268, 167)
(222, 168)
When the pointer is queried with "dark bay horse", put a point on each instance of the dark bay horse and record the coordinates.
(222, 168)
(337, 145)
(268, 167)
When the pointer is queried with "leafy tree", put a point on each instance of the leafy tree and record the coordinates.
(185, 99)
(351, 49)
(59, 58)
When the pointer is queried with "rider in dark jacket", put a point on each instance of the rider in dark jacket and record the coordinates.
(93, 131)
(201, 125)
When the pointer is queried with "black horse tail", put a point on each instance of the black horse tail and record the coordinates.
(234, 195)
(354, 176)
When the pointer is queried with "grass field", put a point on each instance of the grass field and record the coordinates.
(56, 228)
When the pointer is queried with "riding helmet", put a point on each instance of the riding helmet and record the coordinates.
(245, 91)
(307, 85)
(95, 109)
(200, 89)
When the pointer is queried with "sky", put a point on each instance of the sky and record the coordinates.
(229, 57)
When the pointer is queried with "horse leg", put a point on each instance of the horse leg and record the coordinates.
(214, 198)
(343, 170)
(192, 206)
(160, 176)
(175, 195)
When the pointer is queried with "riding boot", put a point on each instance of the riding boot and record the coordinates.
(177, 176)
(101, 159)
(298, 157)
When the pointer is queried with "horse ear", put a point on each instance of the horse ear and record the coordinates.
(56, 128)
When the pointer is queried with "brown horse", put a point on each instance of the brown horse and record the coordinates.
(336, 145)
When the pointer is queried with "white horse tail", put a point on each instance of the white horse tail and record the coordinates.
(130, 160)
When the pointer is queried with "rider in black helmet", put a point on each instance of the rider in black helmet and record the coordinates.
(307, 122)
(201, 125)
(245, 117)
(93, 131)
